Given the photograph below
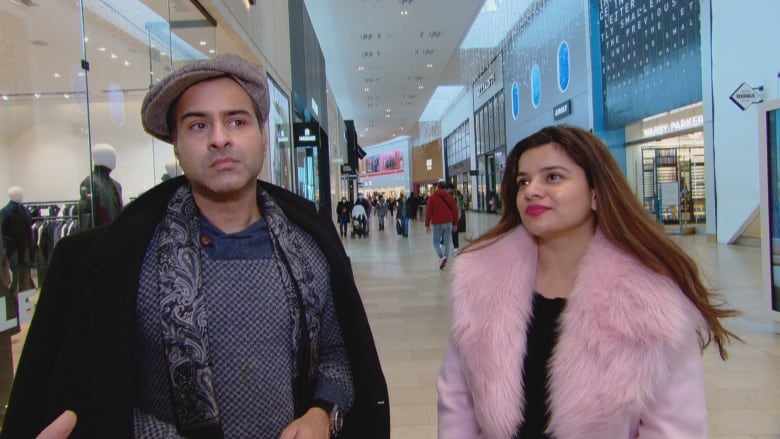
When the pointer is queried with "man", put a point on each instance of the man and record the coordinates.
(343, 209)
(442, 212)
(215, 305)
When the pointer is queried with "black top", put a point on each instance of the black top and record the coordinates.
(542, 337)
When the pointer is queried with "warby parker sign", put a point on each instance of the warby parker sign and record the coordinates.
(25, 309)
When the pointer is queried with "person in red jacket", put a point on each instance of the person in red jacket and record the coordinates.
(442, 212)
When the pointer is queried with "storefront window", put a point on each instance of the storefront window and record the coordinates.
(72, 79)
(667, 169)
(491, 148)
(280, 149)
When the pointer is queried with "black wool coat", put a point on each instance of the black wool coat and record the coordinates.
(80, 348)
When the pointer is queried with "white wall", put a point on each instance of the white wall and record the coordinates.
(460, 110)
(264, 28)
(744, 49)
(48, 155)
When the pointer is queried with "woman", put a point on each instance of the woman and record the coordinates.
(576, 316)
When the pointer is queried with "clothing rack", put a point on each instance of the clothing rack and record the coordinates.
(62, 209)
(51, 221)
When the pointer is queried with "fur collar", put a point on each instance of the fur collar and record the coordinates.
(620, 324)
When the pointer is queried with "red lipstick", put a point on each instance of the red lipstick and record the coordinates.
(536, 209)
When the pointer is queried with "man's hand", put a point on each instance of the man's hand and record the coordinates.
(314, 424)
(427, 229)
(61, 427)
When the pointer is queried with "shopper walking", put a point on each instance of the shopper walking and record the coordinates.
(343, 209)
(442, 212)
(403, 214)
(381, 211)
(456, 229)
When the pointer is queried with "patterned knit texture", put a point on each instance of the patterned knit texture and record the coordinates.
(249, 335)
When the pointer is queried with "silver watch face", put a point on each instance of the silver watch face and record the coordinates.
(336, 420)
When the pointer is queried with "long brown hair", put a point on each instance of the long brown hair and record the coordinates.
(620, 217)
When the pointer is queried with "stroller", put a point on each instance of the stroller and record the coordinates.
(359, 222)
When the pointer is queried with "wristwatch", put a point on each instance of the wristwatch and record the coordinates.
(336, 416)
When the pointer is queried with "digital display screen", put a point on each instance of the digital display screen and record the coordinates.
(650, 57)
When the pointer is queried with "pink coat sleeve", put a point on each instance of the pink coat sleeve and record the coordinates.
(680, 409)
(457, 419)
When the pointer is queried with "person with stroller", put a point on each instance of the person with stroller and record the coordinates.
(359, 221)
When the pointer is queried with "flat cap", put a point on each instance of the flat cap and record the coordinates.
(157, 103)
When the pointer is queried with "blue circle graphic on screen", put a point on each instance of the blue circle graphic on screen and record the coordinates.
(536, 85)
(515, 100)
(563, 66)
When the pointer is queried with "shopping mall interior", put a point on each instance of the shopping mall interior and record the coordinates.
(386, 97)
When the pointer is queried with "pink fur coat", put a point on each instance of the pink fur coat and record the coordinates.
(627, 363)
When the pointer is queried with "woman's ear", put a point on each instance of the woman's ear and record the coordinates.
(593, 204)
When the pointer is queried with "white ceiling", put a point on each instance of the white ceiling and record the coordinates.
(382, 65)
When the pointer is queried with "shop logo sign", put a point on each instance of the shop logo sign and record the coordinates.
(745, 95)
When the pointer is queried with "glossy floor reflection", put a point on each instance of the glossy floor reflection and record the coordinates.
(405, 295)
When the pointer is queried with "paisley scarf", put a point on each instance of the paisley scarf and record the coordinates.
(185, 317)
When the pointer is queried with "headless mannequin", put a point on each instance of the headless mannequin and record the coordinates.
(101, 198)
(18, 247)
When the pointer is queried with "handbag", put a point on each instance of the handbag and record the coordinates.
(399, 228)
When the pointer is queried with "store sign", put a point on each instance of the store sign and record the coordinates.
(306, 133)
(562, 110)
(25, 309)
(674, 126)
(486, 85)
(745, 95)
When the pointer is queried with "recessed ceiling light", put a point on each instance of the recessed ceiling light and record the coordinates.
(56, 75)
(101, 49)
(80, 74)
(114, 56)
(361, 68)
(212, 51)
(37, 95)
(127, 63)
(387, 116)
(430, 66)
(366, 89)
(404, 12)
(419, 87)
(5, 98)
(86, 39)
(67, 96)
(202, 43)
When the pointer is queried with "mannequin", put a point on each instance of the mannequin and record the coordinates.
(172, 169)
(102, 202)
(18, 245)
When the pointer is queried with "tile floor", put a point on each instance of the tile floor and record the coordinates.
(405, 295)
